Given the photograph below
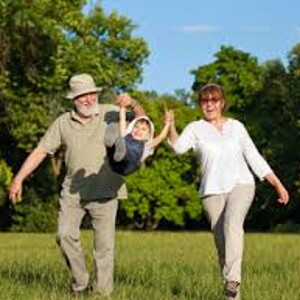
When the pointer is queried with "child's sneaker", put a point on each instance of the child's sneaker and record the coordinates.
(111, 134)
(120, 149)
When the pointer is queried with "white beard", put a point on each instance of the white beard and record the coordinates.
(87, 111)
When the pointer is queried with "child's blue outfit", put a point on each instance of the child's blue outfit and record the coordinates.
(126, 153)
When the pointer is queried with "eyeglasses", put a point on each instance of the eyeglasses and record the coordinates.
(214, 101)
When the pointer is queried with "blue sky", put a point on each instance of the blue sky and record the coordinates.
(182, 35)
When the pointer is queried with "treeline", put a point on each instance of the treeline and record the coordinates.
(42, 45)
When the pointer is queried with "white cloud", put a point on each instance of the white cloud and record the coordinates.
(297, 29)
(199, 28)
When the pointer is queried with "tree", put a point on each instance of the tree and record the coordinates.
(270, 124)
(294, 82)
(236, 71)
(51, 41)
(5, 180)
(71, 42)
(183, 95)
(294, 117)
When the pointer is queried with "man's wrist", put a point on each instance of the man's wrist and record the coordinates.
(19, 178)
(134, 103)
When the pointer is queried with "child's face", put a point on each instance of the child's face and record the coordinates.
(141, 131)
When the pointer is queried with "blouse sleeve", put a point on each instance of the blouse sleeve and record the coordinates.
(186, 140)
(255, 160)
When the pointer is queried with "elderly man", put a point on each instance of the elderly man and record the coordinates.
(89, 185)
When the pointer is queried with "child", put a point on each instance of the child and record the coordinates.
(133, 144)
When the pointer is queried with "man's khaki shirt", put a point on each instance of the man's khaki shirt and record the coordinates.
(88, 175)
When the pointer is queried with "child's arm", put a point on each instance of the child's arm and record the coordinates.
(169, 116)
(163, 134)
(122, 121)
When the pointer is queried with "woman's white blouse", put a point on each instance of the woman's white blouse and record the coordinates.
(224, 155)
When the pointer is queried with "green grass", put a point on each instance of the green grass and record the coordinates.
(154, 266)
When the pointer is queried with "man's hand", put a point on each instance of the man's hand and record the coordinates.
(31, 163)
(125, 100)
(15, 191)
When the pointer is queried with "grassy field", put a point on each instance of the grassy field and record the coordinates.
(154, 266)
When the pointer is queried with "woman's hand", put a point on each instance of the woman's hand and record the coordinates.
(169, 117)
(283, 195)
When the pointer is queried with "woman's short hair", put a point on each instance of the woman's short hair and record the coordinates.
(212, 91)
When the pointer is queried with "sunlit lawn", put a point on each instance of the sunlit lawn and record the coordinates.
(155, 266)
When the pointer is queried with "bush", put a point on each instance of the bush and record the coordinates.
(164, 191)
(35, 214)
(5, 180)
(289, 226)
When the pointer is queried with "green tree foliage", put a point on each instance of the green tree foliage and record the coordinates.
(237, 71)
(53, 40)
(35, 215)
(294, 83)
(43, 43)
(294, 116)
(268, 120)
(5, 180)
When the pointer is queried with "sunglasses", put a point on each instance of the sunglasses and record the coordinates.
(212, 100)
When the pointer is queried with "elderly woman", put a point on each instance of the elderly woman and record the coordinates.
(225, 150)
